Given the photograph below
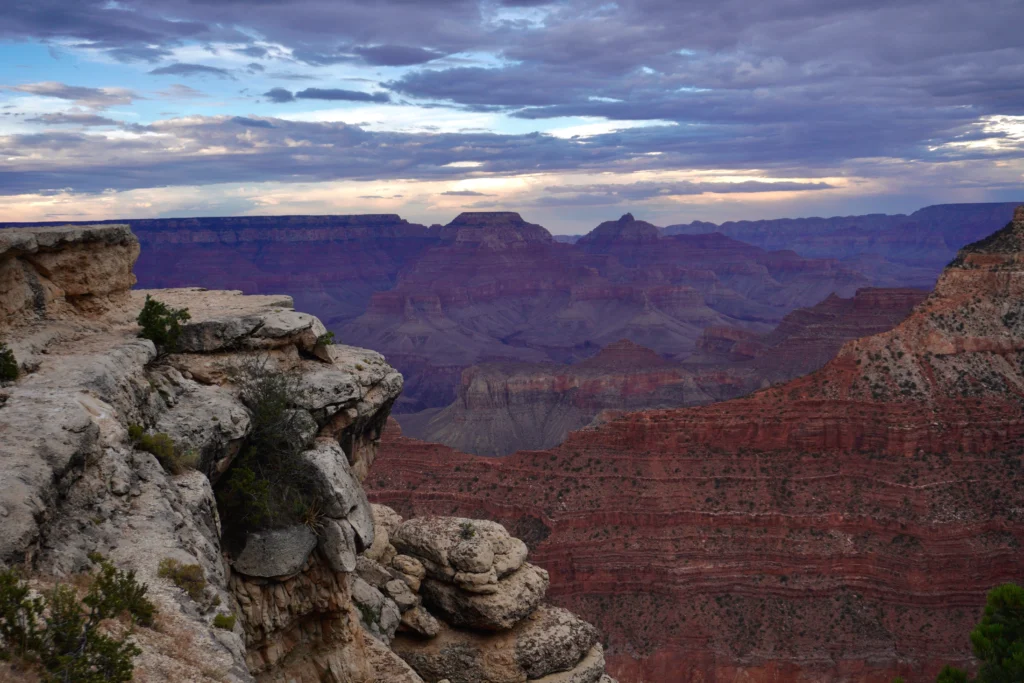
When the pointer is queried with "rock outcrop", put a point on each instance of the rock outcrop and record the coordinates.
(470, 604)
(318, 599)
(844, 526)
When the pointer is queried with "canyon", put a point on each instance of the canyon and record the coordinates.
(492, 287)
(842, 526)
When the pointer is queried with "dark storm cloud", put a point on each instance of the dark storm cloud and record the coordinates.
(396, 55)
(180, 69)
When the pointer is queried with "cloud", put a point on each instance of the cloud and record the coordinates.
(282, 95)
(251, 123)
(179, 91)
(396, 55)
(180, 69)
(608, 194)
(73, 119)
(334, 94)
(92, 98)
(465, 193)
(279, 95)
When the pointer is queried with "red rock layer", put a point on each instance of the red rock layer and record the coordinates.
(502, 407)
(844, 526)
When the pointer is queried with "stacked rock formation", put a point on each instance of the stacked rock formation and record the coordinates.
(462, 604)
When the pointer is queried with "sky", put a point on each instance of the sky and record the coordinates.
(570, 111)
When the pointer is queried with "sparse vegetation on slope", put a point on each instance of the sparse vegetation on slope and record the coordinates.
(62, 634)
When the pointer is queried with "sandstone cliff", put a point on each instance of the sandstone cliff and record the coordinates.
(320, 600)
(844, 526)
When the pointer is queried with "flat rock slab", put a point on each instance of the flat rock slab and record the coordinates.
(281, 552)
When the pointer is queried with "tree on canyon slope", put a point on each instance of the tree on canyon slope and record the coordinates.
(998, 640)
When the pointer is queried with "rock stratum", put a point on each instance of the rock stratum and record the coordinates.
(844, 526)
(501, 408)
(353, 594)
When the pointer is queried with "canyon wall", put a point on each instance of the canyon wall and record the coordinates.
(501, 408)
(894, 250)
(111, 445)
(844, 526)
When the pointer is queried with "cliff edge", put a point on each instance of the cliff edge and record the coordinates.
(114, 446)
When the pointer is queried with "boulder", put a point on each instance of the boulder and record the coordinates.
(378, 614)
(338, 544)
(335, 486)
(449, 545)
(550, 641)
(276, 553)
(516, 597)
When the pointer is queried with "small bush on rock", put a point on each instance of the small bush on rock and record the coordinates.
(172, 459)
(188, 577)
(161, 324)
(224, 621)
(325, 339)
(8, 365)
(267, 486)
(61, 633)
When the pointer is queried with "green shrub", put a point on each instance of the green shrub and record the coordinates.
(188, 577)
(224, 621)
(325, 339)
(59, 632)
(997, 640)
(8, 365)
(267, 486)
(161, 324)
(171, 458)
(467, 530)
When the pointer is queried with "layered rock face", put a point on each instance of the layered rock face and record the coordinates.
(732, 362)
(844, 526)
(498, 289)
(76, 479)
(503, 408)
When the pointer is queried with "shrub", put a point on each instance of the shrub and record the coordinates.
(224, 621)
(325, 339)
(8, 365)
(467, 530)
(172, 458)
(268, 486)
(998, 639)
(161, 324)
(188, 577)
(59, 632)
